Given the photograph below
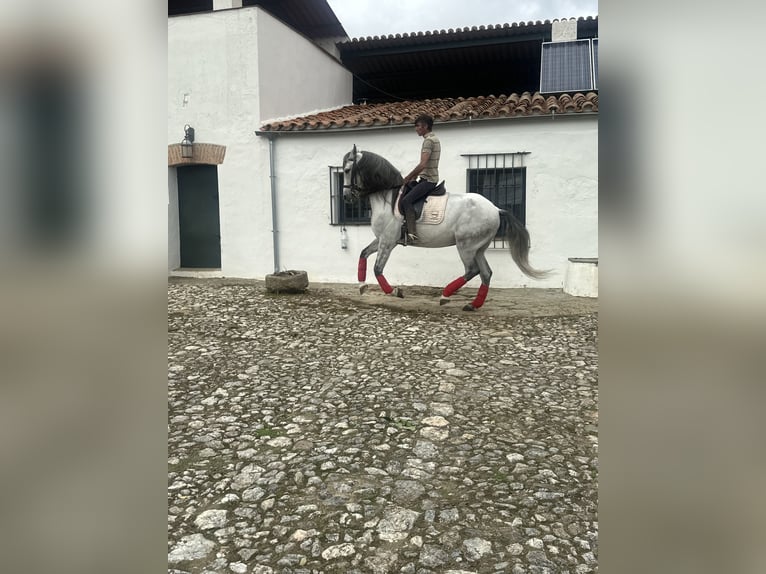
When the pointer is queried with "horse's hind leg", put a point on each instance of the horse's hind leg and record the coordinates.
(452, 288)
(468, 256)
(361, 271)
(486, 274)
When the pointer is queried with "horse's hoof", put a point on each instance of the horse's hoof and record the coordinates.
(444, 300)
(399, 293)
(469, 307)
(363, 289)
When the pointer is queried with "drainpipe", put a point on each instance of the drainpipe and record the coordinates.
(273, 178)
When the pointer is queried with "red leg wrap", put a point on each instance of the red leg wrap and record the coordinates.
(361, 270)
(384, 284)
(480, 296)
(450, 289)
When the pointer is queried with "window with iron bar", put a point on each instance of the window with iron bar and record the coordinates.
(346, 211)
(501, 178)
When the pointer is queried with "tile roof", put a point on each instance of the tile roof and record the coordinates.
(443, 111)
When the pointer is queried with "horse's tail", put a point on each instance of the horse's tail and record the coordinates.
(518, 242)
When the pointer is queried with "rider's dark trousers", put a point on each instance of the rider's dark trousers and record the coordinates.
(419, 191)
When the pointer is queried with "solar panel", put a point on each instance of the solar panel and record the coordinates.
(566, 67)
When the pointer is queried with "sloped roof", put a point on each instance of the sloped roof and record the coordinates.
(587, 25)
(443, 110)
(494, 59)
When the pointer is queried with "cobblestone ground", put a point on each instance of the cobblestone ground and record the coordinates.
(310, 434)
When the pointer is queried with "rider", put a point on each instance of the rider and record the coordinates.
(427, 171)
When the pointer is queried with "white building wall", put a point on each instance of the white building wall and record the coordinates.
(297, 77)
(561, 212)
(228, 72)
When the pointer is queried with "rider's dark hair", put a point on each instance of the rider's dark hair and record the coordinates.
(425, 119)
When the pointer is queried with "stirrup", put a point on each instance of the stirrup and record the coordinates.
(410, 238)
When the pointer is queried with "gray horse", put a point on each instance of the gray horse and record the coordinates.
(471, 222)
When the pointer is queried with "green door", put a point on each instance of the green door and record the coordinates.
(198, 221)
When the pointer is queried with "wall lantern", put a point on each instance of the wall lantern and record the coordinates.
(187, 145)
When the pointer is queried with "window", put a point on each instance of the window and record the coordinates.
(501, 178)
(346, 211)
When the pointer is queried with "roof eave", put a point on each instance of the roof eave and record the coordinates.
(336, 129)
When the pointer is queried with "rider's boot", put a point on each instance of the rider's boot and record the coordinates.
(409, 218)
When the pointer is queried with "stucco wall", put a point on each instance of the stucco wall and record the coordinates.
(225, 70)
(561, 212)
(213, 75)
(295, 75)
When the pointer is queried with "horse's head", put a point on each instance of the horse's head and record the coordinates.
(366, 172)
(351, 187)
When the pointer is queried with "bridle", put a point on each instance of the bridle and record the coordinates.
(359, 192)
(355, 190)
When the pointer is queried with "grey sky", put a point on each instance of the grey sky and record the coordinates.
(363, 18)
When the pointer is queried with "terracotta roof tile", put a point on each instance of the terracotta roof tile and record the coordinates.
(443, 111)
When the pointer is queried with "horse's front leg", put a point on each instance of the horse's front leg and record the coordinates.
(361, 273)
(384, 251)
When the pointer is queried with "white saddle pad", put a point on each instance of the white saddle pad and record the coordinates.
(433, 209)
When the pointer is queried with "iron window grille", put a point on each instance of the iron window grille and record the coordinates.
(346, 211)
(501, 178)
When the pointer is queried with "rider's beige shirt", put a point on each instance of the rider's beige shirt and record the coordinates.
(433, 146)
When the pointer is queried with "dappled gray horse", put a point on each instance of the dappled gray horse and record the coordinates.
(471, 222)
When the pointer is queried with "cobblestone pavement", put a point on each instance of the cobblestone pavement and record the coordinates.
(325, 432)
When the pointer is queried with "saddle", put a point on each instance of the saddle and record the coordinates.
(418, 205)
(429, 209)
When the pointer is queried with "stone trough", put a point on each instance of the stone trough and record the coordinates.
(291, 281)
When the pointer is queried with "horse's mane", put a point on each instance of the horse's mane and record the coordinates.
(376, 173)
